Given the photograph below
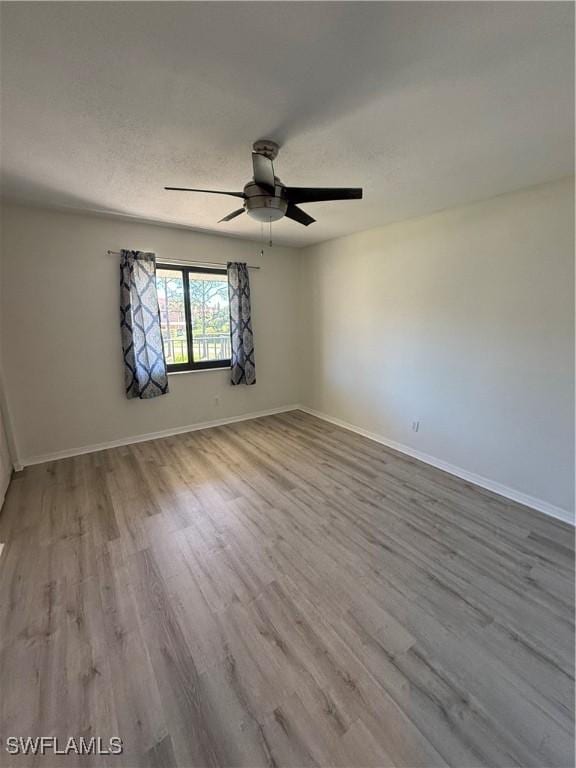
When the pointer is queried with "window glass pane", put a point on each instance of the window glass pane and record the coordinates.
(170, 286)
(210, 316)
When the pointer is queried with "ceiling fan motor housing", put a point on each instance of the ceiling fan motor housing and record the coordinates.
(263, 206)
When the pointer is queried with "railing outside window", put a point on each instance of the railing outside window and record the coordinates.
(209, 347)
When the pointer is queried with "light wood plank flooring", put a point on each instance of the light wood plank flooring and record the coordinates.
(282, 592)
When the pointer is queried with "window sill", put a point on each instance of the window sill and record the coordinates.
(200, 370)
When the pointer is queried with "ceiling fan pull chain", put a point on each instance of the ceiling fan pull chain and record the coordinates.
(270, 239)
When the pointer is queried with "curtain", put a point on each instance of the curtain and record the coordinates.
(243, 368)
(145, 372)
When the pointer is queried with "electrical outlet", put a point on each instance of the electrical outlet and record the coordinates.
(415, 426)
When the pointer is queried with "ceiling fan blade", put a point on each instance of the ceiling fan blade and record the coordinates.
(232, 215)
(297, 214)
(209, 191)
(263, 171)
(318, 194)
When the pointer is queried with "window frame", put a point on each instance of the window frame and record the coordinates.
(191, 365)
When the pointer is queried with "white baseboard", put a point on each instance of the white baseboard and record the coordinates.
(463, 474)
(149, 436)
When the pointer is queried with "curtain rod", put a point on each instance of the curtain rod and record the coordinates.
(185, 261)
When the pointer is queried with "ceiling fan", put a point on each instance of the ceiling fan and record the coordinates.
(267, 199)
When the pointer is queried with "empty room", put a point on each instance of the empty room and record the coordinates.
(287, 384)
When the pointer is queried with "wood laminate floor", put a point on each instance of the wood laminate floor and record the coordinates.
(282, 592)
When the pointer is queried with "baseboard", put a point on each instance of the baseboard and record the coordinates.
(502, 490)
(490, 485)
(4, 488)
(149, 436)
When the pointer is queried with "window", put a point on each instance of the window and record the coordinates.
(194, 317)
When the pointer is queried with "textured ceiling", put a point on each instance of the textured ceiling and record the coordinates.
(425, 105)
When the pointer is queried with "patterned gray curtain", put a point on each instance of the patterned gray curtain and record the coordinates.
(145, 372)
(243, 368)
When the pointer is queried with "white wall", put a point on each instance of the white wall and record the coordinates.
(464, 321)
(62, 355)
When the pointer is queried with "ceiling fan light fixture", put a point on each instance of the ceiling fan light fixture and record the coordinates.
(263, 208)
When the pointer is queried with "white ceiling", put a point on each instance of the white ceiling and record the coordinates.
(426, 105)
